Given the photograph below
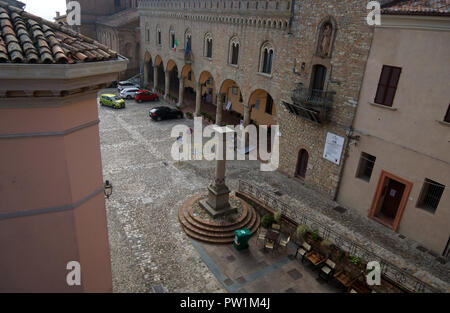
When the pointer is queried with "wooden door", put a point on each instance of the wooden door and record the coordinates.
(393, 195)
(302, 166)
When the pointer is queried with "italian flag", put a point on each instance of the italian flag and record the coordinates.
(175, 45)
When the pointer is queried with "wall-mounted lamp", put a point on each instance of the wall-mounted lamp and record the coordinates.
(108, 189)
(303, 66)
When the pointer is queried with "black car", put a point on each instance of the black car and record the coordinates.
(165, 113)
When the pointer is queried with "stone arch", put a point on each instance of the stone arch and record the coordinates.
(160, 83)
(148, 70)
(231, 95)
(262, 105)
(172, 80)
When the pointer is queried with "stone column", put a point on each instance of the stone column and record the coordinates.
(155, 78)
(218, 202)
(247, 114)
(145, 75)
(166, 95)
(198, 99)
(219, 112)
(181, 92)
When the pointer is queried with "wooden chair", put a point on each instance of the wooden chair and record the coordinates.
(304, 249)
(327, 270)
(269, 245)
(276, 227)
(262, 236)
(284, 243)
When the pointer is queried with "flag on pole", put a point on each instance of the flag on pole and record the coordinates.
(175, 45)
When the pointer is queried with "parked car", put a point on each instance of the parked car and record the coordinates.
(126, 84)
(129, 93)
(165, 113)
(145, 95)
(112, 101)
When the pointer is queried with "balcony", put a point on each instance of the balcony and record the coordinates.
(310, 104)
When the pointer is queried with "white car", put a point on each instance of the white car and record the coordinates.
(125, 84)
(129, 93)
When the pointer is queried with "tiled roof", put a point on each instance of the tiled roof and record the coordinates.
(26, 38)
(417, 7)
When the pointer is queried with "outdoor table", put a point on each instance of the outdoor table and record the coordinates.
(343, 278)
(315, 258)
(272, 236)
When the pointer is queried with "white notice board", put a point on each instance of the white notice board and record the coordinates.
(333, 148)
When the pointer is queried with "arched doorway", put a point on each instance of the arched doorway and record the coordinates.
(160, 75)
(207, 88)
(233, 102)
(148, 71)
(189, 88)
(262, 111)
(174, 81)
(302, 164)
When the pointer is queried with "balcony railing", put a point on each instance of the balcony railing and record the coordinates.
(311, 104)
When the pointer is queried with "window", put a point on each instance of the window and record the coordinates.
(366, 165)
(172, 39)
(208, 45)
(387, 87)
(269, 105)
(447, 116)
(188, 41)
(234, 51)
(266, 59)
(147, 33)
(430, 196)
(158, 36)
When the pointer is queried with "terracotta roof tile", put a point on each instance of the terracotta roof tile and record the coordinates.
(26, 38)
(417, 7)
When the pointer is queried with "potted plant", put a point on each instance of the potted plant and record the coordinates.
(277, 217)
(267, 220)
(189, 115)
(301, 232)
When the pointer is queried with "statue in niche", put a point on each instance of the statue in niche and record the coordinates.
(325, 44)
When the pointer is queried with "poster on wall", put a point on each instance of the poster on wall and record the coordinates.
(333, 148)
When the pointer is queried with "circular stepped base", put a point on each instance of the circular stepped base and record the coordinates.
(214, 232)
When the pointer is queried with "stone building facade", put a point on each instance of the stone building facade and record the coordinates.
(114, 23)
(298, 64)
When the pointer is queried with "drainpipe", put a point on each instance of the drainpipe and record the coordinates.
(291, 19)
(347, 146)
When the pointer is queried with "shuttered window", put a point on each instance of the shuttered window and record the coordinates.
(387, 87)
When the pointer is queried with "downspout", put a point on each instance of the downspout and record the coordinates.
(347, 146)
(291, 19)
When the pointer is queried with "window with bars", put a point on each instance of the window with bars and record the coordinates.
(387, 86)
(366, 165)
(430, 195)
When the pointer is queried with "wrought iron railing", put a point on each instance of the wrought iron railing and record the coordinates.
(389, 270)
(318, 100)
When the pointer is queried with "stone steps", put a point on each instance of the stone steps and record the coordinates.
(216, 233)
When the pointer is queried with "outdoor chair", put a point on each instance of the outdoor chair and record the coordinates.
(262, 236)
(269, 245)
(276, 227)
(284, 243)
(327, 270)
(303, 250)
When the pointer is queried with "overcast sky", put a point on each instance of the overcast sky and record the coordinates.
(45, 8)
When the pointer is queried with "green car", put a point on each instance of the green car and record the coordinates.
(112, 101)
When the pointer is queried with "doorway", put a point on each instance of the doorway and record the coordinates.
(390, 200)
(302, 165)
